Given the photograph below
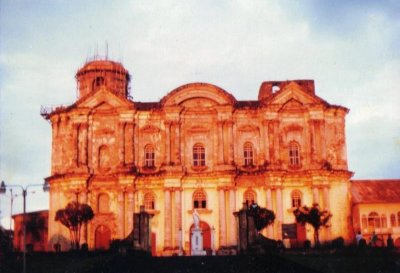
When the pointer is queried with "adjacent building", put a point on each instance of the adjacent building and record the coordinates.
(36, 231)
(376, 209)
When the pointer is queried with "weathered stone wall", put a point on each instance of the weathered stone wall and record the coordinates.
(99, 148)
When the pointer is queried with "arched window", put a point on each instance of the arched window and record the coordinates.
(148, 201)
(149, 156)
(250, 197)
(199, 199)
(384, 221)
(393, 222)
(374, 220)
(103, 203)
(199, 155)
(97, 82)
(296, 199)
(248, 154)
(364, 222)
(294, 154)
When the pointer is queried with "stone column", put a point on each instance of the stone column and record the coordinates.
(326, 198)
(83, 200)
(222, 218)
(230, 142)
(276, 140)
(90, 144)
(129, 214)
(136, 138)
(75, 141)
(220, 143)
(279, 212)
(264, 141)
(167, 218)
(82, 145)
(327, 207)
(232, 224)
(178, 216)
(121, 143)
(271, 142)
(168, 142)
(177, 142)
(129, 154)
(121, 213)
(133, 143)
(315, 195)
(270, 230)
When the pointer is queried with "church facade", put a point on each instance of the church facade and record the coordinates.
(197, 148)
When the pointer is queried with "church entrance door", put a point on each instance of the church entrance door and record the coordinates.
(102, 237)
(205, 228)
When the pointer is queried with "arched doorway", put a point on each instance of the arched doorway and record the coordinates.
(205, 228)
(397, 242)
(102, 237)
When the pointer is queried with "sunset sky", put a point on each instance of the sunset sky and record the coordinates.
(350, 49)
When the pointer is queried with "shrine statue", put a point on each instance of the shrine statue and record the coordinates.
(196, 219)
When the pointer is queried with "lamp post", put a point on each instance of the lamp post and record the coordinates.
(3, 187)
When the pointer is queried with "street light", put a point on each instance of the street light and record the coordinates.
(3, 187)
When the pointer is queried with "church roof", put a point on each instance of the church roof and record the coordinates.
(147, 106)
(248, 104)
(375, 191)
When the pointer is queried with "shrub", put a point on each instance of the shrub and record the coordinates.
(85, 247)
(338, 242)
(362, 243)
(307, 244)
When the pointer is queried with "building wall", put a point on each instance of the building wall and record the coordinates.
(363, 215)
(98, 148)
(36, 231)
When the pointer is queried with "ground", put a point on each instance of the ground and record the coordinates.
(299, 261)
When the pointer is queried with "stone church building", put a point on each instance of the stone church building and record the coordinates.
(197, 148)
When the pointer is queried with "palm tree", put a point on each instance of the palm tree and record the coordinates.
(262, 217)
(316, 217)
(74, 216)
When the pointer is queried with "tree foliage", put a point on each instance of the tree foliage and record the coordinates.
(316, 217)
(34, 225)
(74, 216)
(262, 217)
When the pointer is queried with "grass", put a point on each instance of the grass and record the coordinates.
(345, 260)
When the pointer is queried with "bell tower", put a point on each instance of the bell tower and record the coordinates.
(98, 73)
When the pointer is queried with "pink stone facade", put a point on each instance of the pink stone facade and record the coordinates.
(287, 147)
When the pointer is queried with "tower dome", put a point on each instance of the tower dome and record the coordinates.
(95, 74)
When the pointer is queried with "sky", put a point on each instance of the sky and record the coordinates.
(350, 49)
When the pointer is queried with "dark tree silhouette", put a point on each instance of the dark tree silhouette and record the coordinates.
(74, 216)
(262, 217)
(316, 217)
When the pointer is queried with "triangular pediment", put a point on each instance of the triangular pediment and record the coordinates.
(293, 92)
(292, 105)
(103, 99)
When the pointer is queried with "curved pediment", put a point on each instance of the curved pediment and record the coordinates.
(248, 128)
(198, 129)
(150, 129)
(198, 102)
(198, 93)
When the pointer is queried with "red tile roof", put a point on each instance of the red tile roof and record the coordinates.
(375, 191)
